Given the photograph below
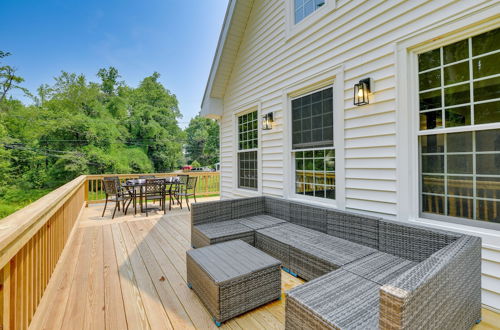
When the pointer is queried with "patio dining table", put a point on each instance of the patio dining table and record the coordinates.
(135, 186)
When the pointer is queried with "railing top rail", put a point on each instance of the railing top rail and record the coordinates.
(98, 176)
(37, 213)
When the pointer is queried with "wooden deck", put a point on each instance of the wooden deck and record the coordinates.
(130, 273)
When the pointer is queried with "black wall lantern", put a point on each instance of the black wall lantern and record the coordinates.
(361, 91)
(267, 121)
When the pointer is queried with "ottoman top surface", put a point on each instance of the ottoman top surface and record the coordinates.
(231, 260)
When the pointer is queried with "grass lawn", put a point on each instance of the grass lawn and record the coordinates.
(15, 198)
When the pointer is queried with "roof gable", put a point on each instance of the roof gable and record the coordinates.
(233, 29)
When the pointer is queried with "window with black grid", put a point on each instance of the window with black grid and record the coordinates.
(315, 173)
(248, 130)
(312, 120)
(248, 142)
(312, 144)
(459, 136)
(247, 168)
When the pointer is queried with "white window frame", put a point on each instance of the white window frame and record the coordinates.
(408, 122)
(293, 28)
(331, 77)
(237, 190)
(332, 147)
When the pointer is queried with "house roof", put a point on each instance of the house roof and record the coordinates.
(237, 14)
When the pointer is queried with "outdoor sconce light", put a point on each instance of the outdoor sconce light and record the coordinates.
(361, 91)
(267, 121)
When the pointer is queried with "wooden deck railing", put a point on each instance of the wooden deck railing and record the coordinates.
(208, 184)
(33, 238)
(31, 242)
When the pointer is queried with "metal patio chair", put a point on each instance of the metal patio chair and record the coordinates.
(115, 193)
(189, 190)
(154, 190)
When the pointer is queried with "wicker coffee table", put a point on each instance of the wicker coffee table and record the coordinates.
(232, 278)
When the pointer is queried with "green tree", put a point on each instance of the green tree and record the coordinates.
(202, 141)
(154, 112)
(109, 80)
(8, 78)
(76, 126)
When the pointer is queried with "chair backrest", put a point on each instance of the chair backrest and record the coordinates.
(146, 177)
(191, 183)
(111, 185)
(183, 178)
(154, 186)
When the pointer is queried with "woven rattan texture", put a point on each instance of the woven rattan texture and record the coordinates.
(232, 278)
(337, 300)
(364, 272)
(356, 228)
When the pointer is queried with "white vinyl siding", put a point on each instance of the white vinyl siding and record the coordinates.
(269, 61)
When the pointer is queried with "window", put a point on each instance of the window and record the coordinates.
(459, 87)
(312, 144)
(248, 142)
(312, 120)
(304, 8)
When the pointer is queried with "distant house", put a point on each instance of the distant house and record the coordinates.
(389, 108)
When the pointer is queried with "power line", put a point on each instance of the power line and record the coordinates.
(65, 153)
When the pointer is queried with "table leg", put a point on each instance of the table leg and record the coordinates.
(140, 198)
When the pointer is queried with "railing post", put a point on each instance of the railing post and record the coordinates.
(86, 191)
(206, 184)
(5, 297)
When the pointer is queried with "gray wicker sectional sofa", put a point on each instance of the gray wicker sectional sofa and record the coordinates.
(363, 272)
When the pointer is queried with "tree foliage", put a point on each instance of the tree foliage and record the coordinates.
(76, 126)
(202, 144)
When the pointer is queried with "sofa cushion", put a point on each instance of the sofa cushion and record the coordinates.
(338, 250)
(216, 232)
(208, 212)
(379, 267)
(260, 221)
(247, 207)
(289, 233)
(276, 240)
(277, 207)
(308, 216)
(339, 300)
(412, 242)
(316, 256)
(353, 227)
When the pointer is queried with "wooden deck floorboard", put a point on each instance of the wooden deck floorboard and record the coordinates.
(130, 272)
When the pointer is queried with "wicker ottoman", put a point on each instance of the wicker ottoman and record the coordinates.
(232, 278)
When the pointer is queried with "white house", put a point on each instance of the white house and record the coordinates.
(426, 147)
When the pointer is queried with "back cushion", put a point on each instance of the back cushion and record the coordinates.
(357, 228)
(308, 216)
(412, 242)
(207, 212)
(277, 207)
(247, 207)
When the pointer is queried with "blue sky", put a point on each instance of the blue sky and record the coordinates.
(175, 38)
